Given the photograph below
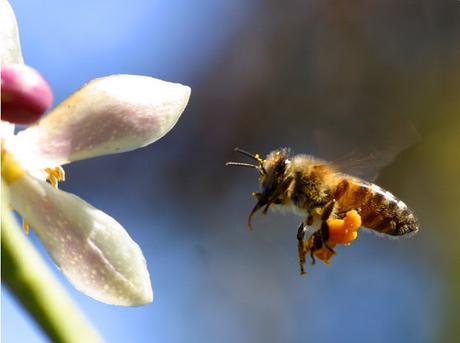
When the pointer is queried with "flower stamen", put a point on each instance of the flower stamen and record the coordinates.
(55, 175)
(25, 226)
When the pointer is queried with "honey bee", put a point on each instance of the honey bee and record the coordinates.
(338, 203)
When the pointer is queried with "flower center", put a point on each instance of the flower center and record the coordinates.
(11, 171)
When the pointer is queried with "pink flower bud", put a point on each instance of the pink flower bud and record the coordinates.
(26, 95)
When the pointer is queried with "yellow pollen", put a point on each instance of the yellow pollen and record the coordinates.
(25, 226)
(11, 170)
(258, 158)
(341, 231)
(344, 231)
(55, 175)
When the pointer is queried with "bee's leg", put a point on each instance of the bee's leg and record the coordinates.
(301, 247)
(314, 244)
(324, 231)
(324, 234)
(328, 210)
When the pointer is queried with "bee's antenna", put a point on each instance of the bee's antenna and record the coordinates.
(248, 154)
(255, 157)
(247, 165)
(239, 164)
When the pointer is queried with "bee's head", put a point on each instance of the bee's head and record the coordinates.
(271, 177)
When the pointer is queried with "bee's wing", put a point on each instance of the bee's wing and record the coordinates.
(365, 166)
(366, 155)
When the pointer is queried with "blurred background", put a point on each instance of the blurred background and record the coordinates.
(322, 77)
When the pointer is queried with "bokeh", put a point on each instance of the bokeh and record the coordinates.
(341, 80)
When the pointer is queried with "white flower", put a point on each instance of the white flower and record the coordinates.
(108, 115)
(10, 49)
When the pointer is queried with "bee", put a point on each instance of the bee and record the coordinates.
(338, 203)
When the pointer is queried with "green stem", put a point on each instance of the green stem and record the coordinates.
(29, 279)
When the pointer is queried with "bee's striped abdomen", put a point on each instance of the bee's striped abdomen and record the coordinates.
(380, 210)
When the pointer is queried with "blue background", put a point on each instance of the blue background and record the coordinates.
(319, 77)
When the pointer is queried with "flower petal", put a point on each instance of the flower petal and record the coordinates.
(108, 115)
(92, 249)
(6, 129)
(10, 48)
